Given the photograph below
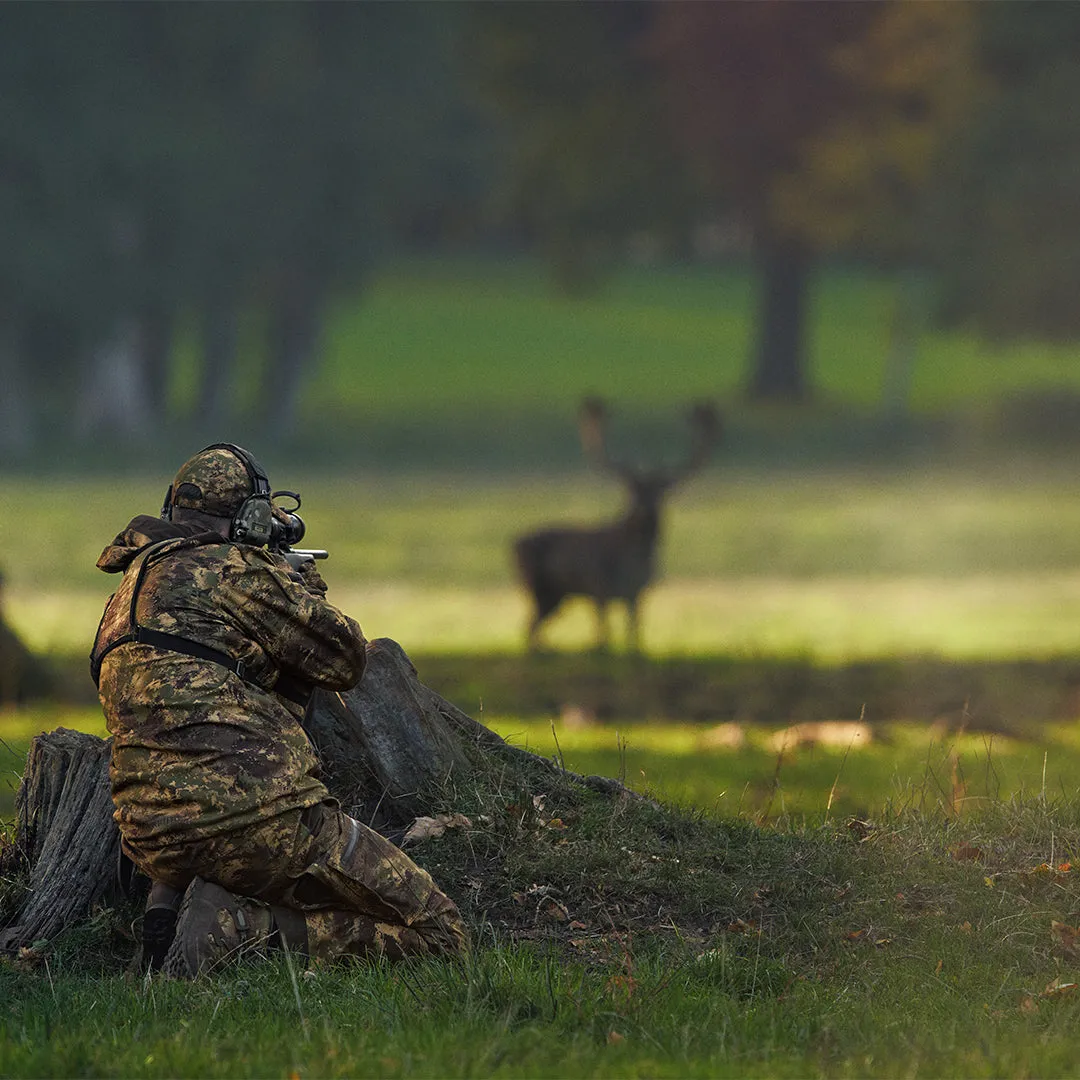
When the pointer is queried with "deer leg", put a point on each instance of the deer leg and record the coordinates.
(532, 634)
(600, 604)
(632, 641)
(545, 604)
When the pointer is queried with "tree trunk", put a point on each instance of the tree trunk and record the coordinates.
(16, 404)
(904, 330)
(294, 331)
(219, 343)
(114, 396)
(779, 372)
(387, 747)
(155, 347)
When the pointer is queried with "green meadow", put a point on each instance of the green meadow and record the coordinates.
(857, 704)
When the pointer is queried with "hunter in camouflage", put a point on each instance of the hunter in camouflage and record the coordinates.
(215, 782)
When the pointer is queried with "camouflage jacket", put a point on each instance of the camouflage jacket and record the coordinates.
(198, 751)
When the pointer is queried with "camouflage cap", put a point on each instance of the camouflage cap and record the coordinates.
(214, 481)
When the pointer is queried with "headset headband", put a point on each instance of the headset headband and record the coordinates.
(260, 482)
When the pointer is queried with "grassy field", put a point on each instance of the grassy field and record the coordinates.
(481, 365)
(830, 565)
(934, 934)
(433, 337)
(732, 770)
(898, 899)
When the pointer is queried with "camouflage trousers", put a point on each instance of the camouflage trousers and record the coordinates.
(360, 895)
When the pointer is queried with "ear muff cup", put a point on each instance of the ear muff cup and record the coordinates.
(253, 522)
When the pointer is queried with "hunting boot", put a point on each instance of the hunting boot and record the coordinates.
(215, 927)
(159, 924)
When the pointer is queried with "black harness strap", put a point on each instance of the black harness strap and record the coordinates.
(184, 645)
(286, 685)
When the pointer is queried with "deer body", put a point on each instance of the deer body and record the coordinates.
(614, 561)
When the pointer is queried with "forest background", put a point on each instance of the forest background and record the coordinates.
(389, 248)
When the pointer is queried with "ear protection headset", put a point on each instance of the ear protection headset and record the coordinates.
(253, 522)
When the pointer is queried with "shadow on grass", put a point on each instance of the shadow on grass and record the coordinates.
(1005, 696)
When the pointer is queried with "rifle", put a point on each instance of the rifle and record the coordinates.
(296, 557)
(287, 528)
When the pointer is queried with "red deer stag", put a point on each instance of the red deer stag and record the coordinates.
(617, 560)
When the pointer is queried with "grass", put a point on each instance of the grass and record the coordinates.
(477, 363)
(760, 773)
(440, 337)
(936, 936)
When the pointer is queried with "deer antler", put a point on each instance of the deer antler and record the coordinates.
(592, 423)
(705, 430)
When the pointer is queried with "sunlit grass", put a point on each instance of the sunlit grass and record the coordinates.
(829, 565)
(733, 769)
(768, 773)
(441, 337)
(830, 619)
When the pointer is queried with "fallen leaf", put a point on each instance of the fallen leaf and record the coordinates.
(1067, 936)
(937, 969)
(741, 926)
(965, 927)
(29, 957)
(966, 852)
(614, 1038)
(578, 925)
(1058, 989)
(855, 935)
(553, 909)
(860, 829)
(430, 828)
(1028, 1005)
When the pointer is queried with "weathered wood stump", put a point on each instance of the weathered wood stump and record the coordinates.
(64, 833)
(386, 747)
(385, 742)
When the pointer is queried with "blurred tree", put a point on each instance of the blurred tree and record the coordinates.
(821, 121)
(57, 265)
(1008, 224)
(869, 178)
(159, 161)
(588, 157)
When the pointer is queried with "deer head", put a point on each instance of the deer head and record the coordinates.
(646, 486)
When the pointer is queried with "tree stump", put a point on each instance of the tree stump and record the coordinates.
(64, 832)
(386, 741)
(386, 748)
